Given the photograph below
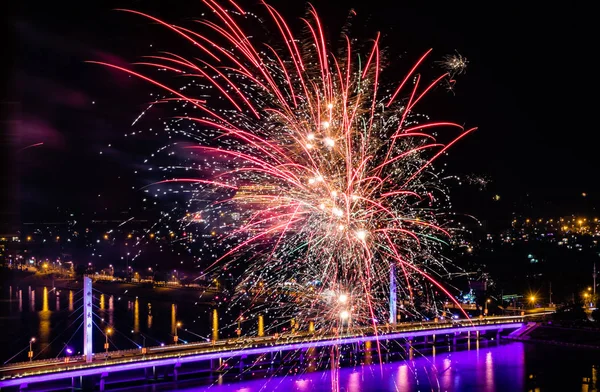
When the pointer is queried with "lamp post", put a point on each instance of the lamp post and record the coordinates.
(68, 352)
(30, 354)
(239, 328)
(532, 299)
(177, 326)
(106, 345)
(486, 306)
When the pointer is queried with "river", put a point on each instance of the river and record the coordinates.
(53, 317)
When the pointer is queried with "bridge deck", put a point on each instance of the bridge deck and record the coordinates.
(116, 361)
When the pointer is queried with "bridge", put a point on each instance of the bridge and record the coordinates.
(100, 370)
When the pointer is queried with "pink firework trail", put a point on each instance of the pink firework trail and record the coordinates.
(331, 172)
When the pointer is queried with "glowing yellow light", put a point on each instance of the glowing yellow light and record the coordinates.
(344, 315)
(28, 238)
(361, 234)
(329, 142)
(330, 106)
(325, 124)
(108, 331)
(105, 236)
(343, 298)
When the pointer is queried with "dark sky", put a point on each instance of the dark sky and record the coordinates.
(530, 88)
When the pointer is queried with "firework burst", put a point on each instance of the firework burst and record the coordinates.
(330, 174)
(455, 64)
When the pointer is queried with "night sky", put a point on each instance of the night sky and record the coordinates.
(530, 87)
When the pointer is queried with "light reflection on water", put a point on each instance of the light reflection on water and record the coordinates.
(496, 368)
(511, 367)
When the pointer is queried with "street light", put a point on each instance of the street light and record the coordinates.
(30, 354)
(532, 299)
(177, 326)
(106, 333)
(68, 352)
(239, 328)
(585, 297)
(486, 306)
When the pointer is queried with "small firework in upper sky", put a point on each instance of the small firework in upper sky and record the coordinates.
(479, 180)
(455, 64)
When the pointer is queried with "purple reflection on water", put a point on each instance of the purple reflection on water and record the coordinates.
(497, 368)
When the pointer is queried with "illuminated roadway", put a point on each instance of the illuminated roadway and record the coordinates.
(118, 361)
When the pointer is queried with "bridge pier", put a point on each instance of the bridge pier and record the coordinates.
(241, 364)
(148, 376)
(103, 377)
(176, 371)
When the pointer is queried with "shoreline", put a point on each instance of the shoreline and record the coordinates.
(23, 279)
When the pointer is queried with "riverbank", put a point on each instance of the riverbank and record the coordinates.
(24, 279)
